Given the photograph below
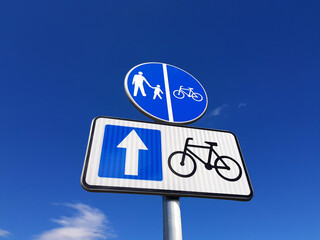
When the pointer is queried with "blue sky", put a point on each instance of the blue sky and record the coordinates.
(63, 63)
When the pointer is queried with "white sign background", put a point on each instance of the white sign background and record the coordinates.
(204, 183)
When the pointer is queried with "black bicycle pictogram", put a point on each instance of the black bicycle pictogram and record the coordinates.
(183, 164)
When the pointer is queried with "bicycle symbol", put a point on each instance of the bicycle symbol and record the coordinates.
(183, 164)
(181, 93)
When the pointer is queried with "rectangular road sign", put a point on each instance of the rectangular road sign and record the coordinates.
(150, 158)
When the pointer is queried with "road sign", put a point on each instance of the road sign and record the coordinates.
(166, 93)
(141, 157)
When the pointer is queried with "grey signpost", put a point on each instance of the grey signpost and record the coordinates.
(165, 158)
(172, 228)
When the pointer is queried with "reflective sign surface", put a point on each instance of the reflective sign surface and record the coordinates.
(140, 157)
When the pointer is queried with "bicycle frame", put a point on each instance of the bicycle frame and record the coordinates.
(181, 89)
(207, 164)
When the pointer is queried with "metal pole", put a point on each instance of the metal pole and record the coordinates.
(172, 229)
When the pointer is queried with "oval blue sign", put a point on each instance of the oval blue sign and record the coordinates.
(166, 93)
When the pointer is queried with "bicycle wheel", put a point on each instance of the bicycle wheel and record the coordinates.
(197, 97)
(228, 168)
(182, 170)
(178, 94)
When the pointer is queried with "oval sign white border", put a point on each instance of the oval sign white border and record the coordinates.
(155, 117)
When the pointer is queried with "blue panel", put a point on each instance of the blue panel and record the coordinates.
(189, 106)
(112, 161)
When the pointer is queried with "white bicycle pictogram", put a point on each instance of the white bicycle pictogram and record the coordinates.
(182, 92)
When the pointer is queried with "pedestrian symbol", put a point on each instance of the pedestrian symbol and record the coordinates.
(133, 153)
(157, 92)
(138, 82)
(166, 93)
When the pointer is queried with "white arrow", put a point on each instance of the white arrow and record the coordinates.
(132, 143)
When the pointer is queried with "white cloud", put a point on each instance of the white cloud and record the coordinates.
(242, 105)
(87, 224)
(217, 111)
(4, 233)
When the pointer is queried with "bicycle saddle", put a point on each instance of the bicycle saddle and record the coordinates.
(211, 143)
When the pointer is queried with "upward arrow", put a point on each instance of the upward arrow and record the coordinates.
(132, 143)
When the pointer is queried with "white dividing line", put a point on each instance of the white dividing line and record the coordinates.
(166, 85)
